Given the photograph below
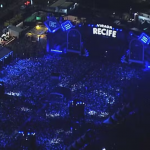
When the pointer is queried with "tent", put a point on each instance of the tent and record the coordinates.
(120, 113)
(116, 117)
(109, 121)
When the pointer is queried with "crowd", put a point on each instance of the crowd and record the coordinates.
(104, 87)
(27, 47)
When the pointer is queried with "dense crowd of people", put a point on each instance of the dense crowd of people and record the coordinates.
(27, 47)
(104, 87)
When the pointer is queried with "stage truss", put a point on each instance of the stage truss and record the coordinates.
(136, 51)
(74, 41)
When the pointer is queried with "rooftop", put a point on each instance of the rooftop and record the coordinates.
(66, 4)
(14, 28)
(58, 3)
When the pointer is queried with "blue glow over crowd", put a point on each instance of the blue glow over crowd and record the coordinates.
(102, 86)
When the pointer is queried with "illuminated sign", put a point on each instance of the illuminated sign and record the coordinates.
(144, 38)
(52, 24)
(66, 25)
(104, 26)
(105, 30)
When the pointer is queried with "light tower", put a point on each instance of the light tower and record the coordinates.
(31, 2)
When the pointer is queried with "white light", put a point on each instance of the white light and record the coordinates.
(68, 132)
(103, 114)
(104, 26)
(95, 31)
(55, 141)
(103, 31)
(59, 131)
(52, 24)
(13, 94)
(110, 32)
(114, 34)
(25, 109)
(52, 115)
(103, 148)
(106, 32)
(1, 5)
(92, 113)
(48, 2)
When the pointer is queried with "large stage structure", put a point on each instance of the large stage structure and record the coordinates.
(82, 39)
(74, 41)
(139, 50)
(65, 30)
(136, 54)
(97, 40)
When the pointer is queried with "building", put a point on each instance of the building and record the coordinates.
(61, 6)
(14, 31)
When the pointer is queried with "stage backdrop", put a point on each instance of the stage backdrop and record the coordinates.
(100, 38)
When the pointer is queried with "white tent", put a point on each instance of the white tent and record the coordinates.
(15, 31)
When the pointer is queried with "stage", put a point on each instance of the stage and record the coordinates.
(81, 38)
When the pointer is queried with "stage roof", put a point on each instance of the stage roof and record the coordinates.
(4, 51)
(66, 5)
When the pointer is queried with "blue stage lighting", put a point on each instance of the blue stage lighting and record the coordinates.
(116, 29)
(20, 132)
(144, 38)
(92, 25)
(148, 67)
(120, 29)
(52, 24)
(56, 51)
(89, 25)
(66, 25)
(79, 25)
